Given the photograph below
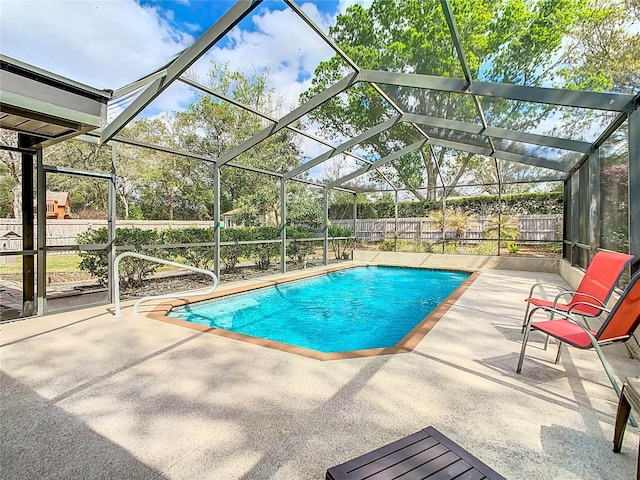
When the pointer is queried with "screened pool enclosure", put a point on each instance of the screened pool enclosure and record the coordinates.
(426, 157)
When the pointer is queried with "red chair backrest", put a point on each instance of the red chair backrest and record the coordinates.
(625, 316)
(600, 279)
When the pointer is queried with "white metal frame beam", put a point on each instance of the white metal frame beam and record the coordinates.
(288, 119)
(187, 58)
(344, 146)
(549, 96)
(513, 157)
(389, 158)
(499, 133)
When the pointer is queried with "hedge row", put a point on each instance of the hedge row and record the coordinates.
(519, 204)
(133, 271)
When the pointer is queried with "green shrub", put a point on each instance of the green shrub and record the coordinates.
(196, 256)
(513, 248)
(132, 271)
(516, 204)
(298, 251)
(421, 247)
(338, 245)
(387, 245)
(554, 248)
(486, 248)
(450, 247)
(230, 254)
(509, 229)
(263, 253)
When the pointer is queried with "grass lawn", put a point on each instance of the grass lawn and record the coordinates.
(55, 263)
(61, 268)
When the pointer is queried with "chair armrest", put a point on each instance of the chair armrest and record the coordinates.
(599, 306)
(539, 284)
(562, 294)
(562, 314)
(599, 303)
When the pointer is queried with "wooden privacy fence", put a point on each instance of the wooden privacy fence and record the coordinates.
(533, 228)
(65, 232)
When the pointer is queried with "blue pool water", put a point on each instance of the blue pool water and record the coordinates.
(353, 309)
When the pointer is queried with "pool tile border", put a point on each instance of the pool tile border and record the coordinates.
(406, 345)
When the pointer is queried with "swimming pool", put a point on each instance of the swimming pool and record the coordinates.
(353, 309)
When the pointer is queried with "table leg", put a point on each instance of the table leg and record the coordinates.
(624, 408)
(638, 464)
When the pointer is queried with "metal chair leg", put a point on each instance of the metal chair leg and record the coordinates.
(628, 350)
(559, 352)
(607, 369)
(546, 341)
(526, 315)
(525, 339)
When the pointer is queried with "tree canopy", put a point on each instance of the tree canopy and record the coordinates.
(156, 184)
(508, 41)
(578, 44)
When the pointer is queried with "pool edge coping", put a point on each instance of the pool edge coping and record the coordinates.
(405, 345)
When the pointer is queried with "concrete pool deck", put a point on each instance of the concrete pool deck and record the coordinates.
(89, 395)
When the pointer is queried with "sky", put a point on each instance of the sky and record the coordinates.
(110, 43)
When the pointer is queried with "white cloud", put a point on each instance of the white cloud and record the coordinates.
(282, 41)
(99, 43)
(107, 44)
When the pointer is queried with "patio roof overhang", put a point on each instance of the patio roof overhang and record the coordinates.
(46, 106)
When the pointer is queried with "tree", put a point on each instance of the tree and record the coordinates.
(89, 196)
(304, 205)
(126, 187)
(167, 184)
(604, 49)
(212, 127)
(510, 41)
(514, 178)
(10, 177)
(604, 54)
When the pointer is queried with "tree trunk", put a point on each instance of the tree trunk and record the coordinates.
(417, 194)
(125, 204)
(431, 171)
(17, 203)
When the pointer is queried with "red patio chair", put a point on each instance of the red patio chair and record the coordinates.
(619, 326)
(594, 290)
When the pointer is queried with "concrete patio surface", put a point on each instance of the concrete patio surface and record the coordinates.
(88, 395)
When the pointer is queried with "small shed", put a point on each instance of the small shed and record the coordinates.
(10, 241)
(268, 219)
(228, 218)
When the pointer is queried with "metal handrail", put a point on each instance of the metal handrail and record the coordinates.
(116, 265)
